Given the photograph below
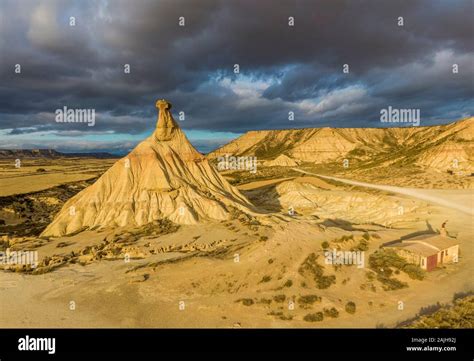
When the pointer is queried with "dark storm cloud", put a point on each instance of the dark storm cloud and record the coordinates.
(282, 68)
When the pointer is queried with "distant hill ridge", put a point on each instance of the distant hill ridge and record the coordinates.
(48, 153)
(431, 146)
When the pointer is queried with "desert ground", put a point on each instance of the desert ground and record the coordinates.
(41, 174)
(239, 273)
(165, 237)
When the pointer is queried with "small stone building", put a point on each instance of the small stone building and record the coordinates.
(427, 251)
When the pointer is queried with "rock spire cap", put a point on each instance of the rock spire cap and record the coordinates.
(162, 104)
(165, 124)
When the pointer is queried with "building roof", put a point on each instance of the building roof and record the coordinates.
(435, 240)
(418, 248)
(426, 244)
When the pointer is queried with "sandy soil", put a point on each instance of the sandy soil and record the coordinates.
(260, 184)
(27, 178)
(105, 295)
(198, 269)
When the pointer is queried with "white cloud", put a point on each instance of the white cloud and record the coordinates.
(248, 90)
(339, 100)
(44, 30)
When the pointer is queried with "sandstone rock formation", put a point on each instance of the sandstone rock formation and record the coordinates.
(350, 205)
(434, 147)
(163, 177)
(281, 161)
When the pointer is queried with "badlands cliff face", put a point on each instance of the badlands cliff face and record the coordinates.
(163, 177)
(434, 147)
(281, 161)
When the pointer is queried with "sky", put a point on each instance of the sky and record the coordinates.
(282, 69)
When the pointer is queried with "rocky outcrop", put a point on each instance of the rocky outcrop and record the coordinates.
(163, 177)
(281, 161)
(435, 147)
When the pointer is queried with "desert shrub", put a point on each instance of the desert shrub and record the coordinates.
(311, 266)
(344, 239)
(314, 317)
(325, 245)
(266, 279)
(263, 238)
(382, 261)
(415, 272)
(430, 309)
(366, 236)
(246, 301)
(280, 315)
(370, 276)
(460, 295)
(390, 284)
(350, 307)
(457, 315)
(331, 312)
(362, 246)
(288, 283)
(160, 226)
(275, 313)
(325, 281)
(308, 299)
(358, 152)
(279, 298)
(41, 170)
